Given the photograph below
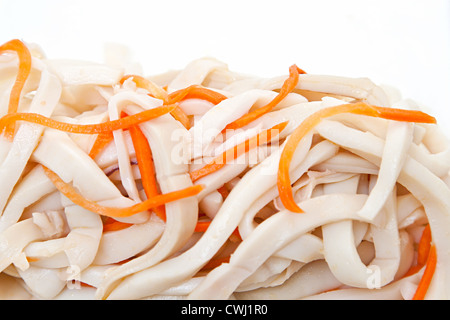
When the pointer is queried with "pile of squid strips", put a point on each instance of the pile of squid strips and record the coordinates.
(205, 183)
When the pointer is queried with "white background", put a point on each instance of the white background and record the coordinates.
(404, 43)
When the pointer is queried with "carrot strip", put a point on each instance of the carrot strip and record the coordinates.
(100, 142)
(111, 224)
(202, 226)
(146, 84)
(283, 179)
(423, 251)
(146, 167)
(25, 61)
(288, 85)
(71, 193)
(196, 92)
(427, 276)
(86, 128)
(233, 153)
(215, 262)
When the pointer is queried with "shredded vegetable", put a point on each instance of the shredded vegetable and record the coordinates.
(206, 183)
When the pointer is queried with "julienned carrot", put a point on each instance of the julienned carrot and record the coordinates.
(24, 71)
(196, 92)
(71, 193)
(111, 224)
(427, 276)
(86, 128)
(146, 166)
(241, 148)
(146, 84)
(283, 179)
(287, 87)
(100, 142)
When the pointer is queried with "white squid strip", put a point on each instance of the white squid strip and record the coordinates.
(47, 253)
(83, 240)
(115, 106)
(274, 271)
(317, 154)
(398, 141)
(60, 154)
(221, 282)
(160, 277)
(196, 107)
(116, 246)
(215, 120)
(76, 293)
(345, 262)
(27, 136)
(12, 288)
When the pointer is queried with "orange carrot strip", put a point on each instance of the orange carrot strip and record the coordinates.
(86, 128)
(196, 92)
(24, 70)
(179, 115)
(71, 193)
(146, 166)
(288, 85)
(427, 276)
(146, 84)
(223, 192)
(233, 153)
(283, 179)
(158, 93)
(25, 61)
(100, 142)
(111, 224)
